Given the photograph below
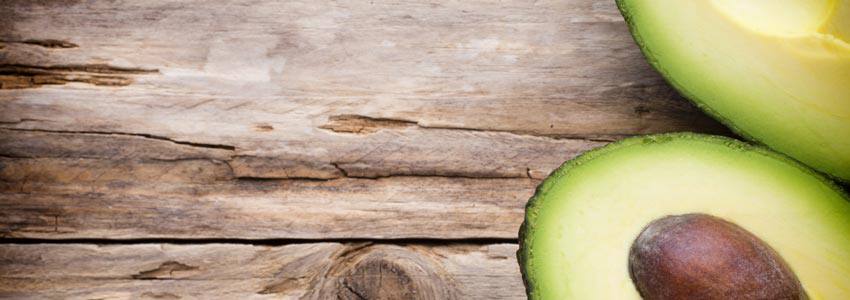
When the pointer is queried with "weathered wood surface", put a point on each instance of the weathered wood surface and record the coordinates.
(396, 207)
(314, 120)
(227, 271)
(198, 119)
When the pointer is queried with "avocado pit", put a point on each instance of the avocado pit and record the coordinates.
(698, 256)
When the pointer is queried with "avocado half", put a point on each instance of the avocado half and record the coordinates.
(775, 71)
(583, 219)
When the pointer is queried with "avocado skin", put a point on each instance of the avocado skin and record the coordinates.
(622, 6)
(531, 208)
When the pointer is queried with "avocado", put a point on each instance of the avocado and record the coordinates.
(775, 71)
(589, 233)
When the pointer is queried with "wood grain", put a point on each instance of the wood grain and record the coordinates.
(315, 119)
(228, 271)
(257, 122)
(564, 68)
(397, 207)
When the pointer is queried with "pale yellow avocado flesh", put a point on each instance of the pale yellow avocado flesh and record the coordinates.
(776, 71)
(580, 224)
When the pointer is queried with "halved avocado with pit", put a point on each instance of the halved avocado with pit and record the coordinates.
(775, 71)
(586, 224)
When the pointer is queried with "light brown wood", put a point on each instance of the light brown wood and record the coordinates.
(320, 120)
(397, 207)
(228, 271)
(118, 117)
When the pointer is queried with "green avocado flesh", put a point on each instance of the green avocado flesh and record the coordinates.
(776, 71)
(582, 221)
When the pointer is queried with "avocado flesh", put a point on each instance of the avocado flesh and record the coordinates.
(583, 219)
(776, 71)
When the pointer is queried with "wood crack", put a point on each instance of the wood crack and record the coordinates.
(17, 76)
(347, 285)
(482, 176)
(345, 174)
(164, 271)
(363, 125)
(341, 170)
(22, 120)
(46, 43)
(242, 168)
(357, 244)
(143, 135)
(276, 179)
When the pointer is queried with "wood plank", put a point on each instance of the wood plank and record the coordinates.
(317, 119)
(465, 154)
(233, 271)
(59, 185)
(102, 203)
(276, 79)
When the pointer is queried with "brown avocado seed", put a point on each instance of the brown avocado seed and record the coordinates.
(698, 256)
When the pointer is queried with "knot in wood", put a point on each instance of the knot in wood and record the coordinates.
(389, 272)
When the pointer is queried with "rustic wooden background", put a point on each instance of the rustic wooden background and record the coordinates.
(299, 149)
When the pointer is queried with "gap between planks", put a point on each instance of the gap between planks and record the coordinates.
(262, 242)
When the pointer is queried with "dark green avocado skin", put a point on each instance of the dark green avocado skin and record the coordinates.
(526, 231)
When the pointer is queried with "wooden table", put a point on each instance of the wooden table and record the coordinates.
(289, 149)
